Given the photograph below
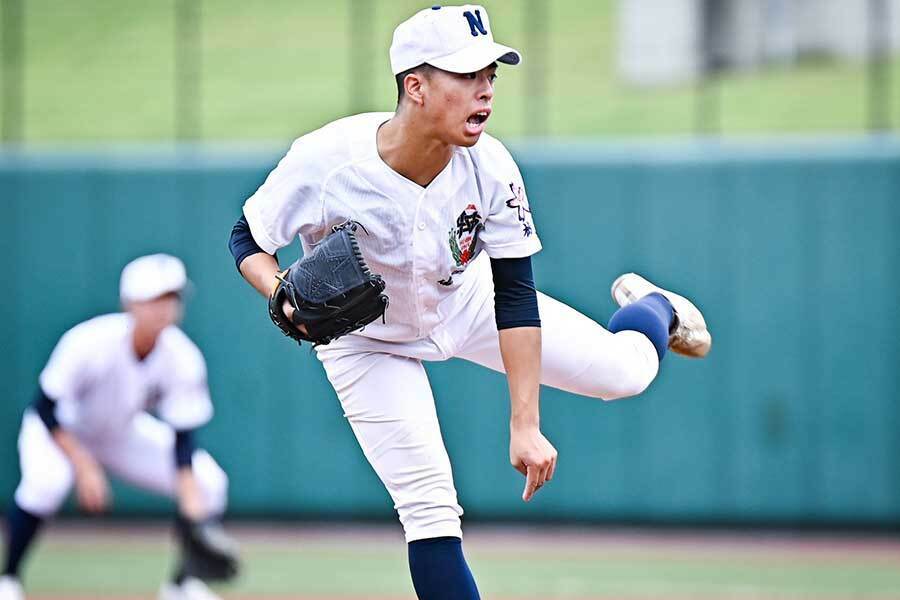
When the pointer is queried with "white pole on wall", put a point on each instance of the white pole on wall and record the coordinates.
(188, 70)
(13, 73)
(536, 110)
(879, 73)
(362, 24)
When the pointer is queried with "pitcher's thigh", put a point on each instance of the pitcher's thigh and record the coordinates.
(388, 402)
(578, 354)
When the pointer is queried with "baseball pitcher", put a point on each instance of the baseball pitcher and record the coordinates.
(417, 235)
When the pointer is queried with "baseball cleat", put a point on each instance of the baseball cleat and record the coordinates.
(688, 335)
(190, 589)
(169, 591)
(194, 589)
(11, 588)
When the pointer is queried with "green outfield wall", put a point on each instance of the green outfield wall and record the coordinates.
(792, 248)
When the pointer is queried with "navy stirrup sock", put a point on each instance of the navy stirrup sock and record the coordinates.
(439, 570)
(21, 527)
(652, 315)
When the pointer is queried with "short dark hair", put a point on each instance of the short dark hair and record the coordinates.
(423, 68)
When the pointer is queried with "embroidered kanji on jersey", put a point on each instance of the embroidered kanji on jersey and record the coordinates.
(519, 201)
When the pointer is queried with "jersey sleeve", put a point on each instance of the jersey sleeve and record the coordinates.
(509, 230)
(67, 369)
(185, 403)
(289, 202)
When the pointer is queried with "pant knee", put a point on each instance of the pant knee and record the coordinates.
(42, 498)
(625, 386)
(620, 380)
(635, 368)
(213, 482)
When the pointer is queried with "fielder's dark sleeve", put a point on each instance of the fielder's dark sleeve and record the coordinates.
(241, 242)
(515, 298)
(184, 447)
(45, 407)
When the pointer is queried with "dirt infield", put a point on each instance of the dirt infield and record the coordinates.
(103, 560)
(736, 596)
(226, 596)
(568, 538)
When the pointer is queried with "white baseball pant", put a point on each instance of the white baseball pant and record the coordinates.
(386, 396)
(143, 455)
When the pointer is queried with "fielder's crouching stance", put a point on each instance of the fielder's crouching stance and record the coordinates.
(449, 229)
(91, 414)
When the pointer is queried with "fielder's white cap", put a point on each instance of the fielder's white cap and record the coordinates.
(453, 38)
(149, 277)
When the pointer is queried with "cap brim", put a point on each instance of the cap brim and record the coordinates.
(476, 57)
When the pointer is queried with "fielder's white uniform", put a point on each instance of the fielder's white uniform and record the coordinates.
(428, 243)
(102, 392)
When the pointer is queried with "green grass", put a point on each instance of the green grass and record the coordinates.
(103, 70)
(507, 564)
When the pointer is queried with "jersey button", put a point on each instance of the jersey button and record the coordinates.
(421, 226)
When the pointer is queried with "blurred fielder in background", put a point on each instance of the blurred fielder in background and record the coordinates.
(434, 194)
(91, 413)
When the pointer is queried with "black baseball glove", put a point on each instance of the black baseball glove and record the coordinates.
(332, 290)
(207, 552)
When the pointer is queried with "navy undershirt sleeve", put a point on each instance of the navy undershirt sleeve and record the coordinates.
(45, 407)
(515, 298)
(241, 242)
(184, 447)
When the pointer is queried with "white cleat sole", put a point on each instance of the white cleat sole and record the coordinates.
(690, 337)
(11, 588)
(169, 591)
(194, 589)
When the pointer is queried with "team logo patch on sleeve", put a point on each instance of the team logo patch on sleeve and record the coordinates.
(519, 202)
(462, 239)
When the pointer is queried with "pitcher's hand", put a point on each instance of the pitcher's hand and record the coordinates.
(533, 456)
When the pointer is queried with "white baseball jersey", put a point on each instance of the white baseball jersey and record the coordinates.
(419, 239)
(100, 385)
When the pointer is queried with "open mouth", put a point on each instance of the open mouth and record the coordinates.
(478, 118)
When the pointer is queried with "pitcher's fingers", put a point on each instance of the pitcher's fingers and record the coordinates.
(531, 484)
(521, 467)
(552, 470)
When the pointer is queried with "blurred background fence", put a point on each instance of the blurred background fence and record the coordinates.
(790, 248)
(100, 70)
(790, 245)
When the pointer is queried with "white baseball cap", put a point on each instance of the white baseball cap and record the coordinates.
(149, 277)
(452, 38)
